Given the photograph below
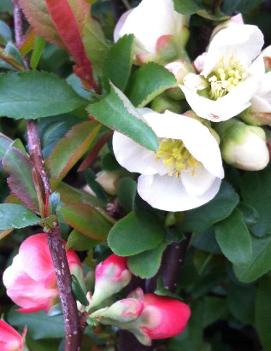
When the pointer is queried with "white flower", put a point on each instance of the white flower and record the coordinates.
(230, 74)
(150, 22)
(259, 112)
(184, 173)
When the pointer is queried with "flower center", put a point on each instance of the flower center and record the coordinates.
(226, 75)
(175, 156)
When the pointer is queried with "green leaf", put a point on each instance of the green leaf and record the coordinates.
(39, 45)
(258, 197)
(86, 220)
(234, 238)
(219, 208)
(71, 148)
(149, 81)
(95, 43)
(134, 234)
(146, 264)
(78, 291)
(187, 7)
(260, 262)
(16, 216)
(39, 324)
(240, 302)
(20, 181)
(119, 62)
(263, 312)
(5, 142)
(126, 193)
(5, 33)
(79, 242)
(116, 112)
(34, 94)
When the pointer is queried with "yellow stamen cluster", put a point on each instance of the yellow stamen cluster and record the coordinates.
(227, 75)
(175, 156)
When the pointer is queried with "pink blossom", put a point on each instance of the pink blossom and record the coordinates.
(163, 317)
(10, 339)
(31, 280)
(111, 276)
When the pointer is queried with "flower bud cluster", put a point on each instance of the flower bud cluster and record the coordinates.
(31, 284)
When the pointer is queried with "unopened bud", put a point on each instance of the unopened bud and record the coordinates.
(108, 180)
(243, 146)
(111, 276)
(122, 311)
(162, 103)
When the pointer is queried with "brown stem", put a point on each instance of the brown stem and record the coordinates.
(56, 244)
(172, 262)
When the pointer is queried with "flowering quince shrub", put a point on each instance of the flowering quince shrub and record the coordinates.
(135, 185)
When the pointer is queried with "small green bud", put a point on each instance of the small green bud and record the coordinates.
(162, 103)
(243, 146)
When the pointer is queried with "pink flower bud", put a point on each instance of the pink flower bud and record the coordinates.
(163, 317)
(111, 276)
(10, 339)
(31, 280)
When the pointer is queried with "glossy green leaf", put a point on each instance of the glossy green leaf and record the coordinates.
(234, 238)
(135, 234)
(259, 264)
(258, 196)
(149, 81)
(5, 33)
(146, 264)
(116, 112)
(39, 45)
(5, 142)
(86, 220)
(20, 181)
(187, 7)
(79, 242)
(263, 312)
(240, 302)
(95, 43)
(16, 216)
(71, 148)
(214, 211)
(39, 324)
(126, 193)
(119, 62)
(32, 95)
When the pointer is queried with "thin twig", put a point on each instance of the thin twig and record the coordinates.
(56, 244)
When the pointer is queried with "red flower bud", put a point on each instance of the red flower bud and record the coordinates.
(111, 276)
(10, 339)
(163, 317)
(31, 280)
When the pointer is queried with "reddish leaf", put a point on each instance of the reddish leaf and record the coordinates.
(37, 15)
(71, 148)
(68, 17)
(20, 182)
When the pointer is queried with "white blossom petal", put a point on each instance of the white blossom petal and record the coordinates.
(136, 158)
(149, 21)
(198, 181)
(168, 193)
(243, 42)
(261, 102)
(195, 136)
(226, 107)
